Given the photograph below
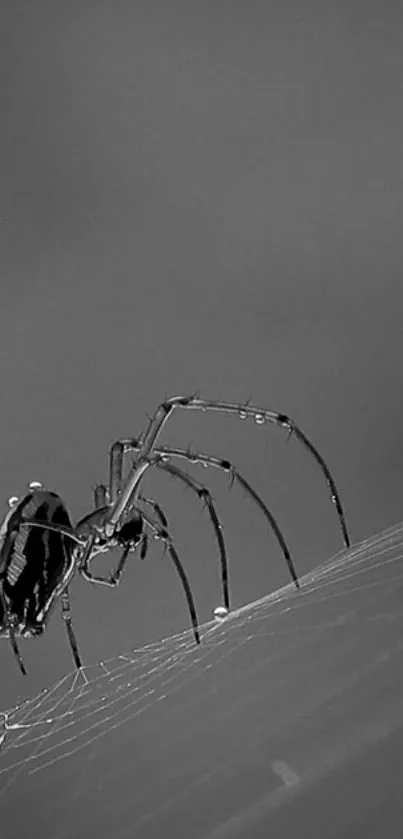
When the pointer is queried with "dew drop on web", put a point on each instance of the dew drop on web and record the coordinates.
(220, 613)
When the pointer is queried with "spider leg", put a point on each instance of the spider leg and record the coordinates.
(144, 547)
(226, 466)
(11, 633)
(163, 454)
(112, 579)
(116, 469)
(100, 496)
(157, 509)
(260, 415)
(160, 515)
(66, 615)
(205, 495)
(162, 533)
(55, 528)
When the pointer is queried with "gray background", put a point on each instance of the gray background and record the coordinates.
(200, 196)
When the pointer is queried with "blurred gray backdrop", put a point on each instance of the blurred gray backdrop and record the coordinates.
(200, 196)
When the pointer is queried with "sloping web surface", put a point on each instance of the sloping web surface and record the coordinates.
(210, 741)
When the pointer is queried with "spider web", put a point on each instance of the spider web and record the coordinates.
(269, 666)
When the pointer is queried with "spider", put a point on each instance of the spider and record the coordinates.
(40, 550)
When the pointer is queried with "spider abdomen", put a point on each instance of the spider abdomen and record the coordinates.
(33, 561)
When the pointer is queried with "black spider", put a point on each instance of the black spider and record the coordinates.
(40, 550)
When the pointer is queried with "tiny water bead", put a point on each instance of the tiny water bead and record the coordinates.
(13, 500)
(260, 419)
(35, 485)
(220, 613)
(242, 415)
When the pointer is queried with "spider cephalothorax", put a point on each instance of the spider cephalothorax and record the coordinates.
(40, 550)
(128, 532)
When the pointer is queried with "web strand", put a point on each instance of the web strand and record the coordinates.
(86, 706)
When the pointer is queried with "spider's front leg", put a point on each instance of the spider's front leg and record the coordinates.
(161, 458)
(117, 452)
(261, 416)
